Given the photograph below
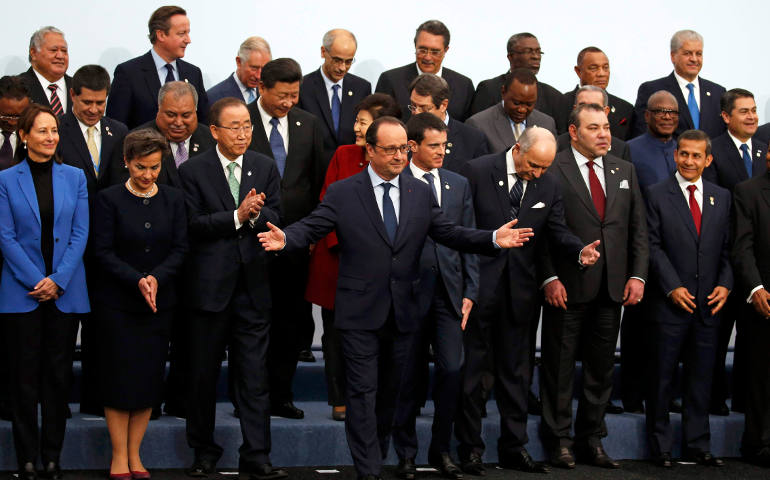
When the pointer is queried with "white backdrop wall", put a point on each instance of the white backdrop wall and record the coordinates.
(635, 35)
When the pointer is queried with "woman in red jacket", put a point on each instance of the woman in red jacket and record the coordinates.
(347, 161)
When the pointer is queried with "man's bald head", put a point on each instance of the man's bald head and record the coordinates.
(534, 153)
(338, 50)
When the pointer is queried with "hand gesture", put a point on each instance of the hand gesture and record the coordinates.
(46, 289)
(633, 292)
(589, 255)
(466, 311)
(718, 297)
(555, 294)
(272, 240)
(148, 287)
(682, 298)
(247, 205)
(509, 237)
(761, 302)
(256, 207)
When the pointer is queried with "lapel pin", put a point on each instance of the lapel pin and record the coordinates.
(759, 152)
(248, 173)
(500, 183)
(195, 147)
(446, 186)
(298, 124)
(350, 93)
(613, 171)
(107, 129)
(186, 81)
(449, 144)
(448, 151)
(711, 201)
(612, 109)
(708, 94)
(360, 164)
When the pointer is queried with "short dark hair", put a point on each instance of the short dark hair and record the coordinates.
(143, 142)
(434, 27)
(418, 124)
(216, 109)
(285, 70)
(92, 77)
(522, 75)
(161, 20)
(379, 105)
(13, 87)
(371, 132)
(574, 116)
(514, 40)
(727, 102)
(26, 120)
(433, 85)
(582, 53)
(696, 135)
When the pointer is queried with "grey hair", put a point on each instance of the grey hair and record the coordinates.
(515, 39)
(36, 40)
(331, 35)
(660, 94)
(594, 88)
(683, 36)
(253, 44)
(178, 90)
(531, 135)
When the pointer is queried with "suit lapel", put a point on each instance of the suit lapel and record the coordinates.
(709, 204)
(684, 112)
(758, 162)
(74, 135)
(766, 195)
(28, 188)
(217, 177)
(152, 81)
(503, 126)
(406, 203)
(611, 182)
(321, 96)
(571, 173)
(58, 184)
(366, 194)
(248, 179)
(500, 183)
(108, 143)
(678, 202)
(349, 94)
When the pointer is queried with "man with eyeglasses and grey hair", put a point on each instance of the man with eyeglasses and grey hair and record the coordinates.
(46, 80)
(431, 43)
(253, 54)
(331, 93)
(698, 98)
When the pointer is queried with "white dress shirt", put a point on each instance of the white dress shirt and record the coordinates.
(61, 91)
(738, 144)
(329, 87)
(683, 184)
(582, 163)
(160, 66)
(420, 72)
(283, 125)
(394, 194)
(510, 169)
(686, 91)
(419, 174)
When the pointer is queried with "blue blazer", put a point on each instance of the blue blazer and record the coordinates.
(226, 88)
(681, 258)
(23, 265)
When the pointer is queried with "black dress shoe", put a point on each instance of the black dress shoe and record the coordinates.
(68, 412)
(406, 469)
(287, 410)
(306, 356)
(174, 411)
(633, 407)
(664, 460)
(705, 458)
(237, 412)
(719, 409)
(597, 457)
(563, 458)
(27, 471)
(534, 404)
(523, 462)
(201, 468)
(675, 406)
(444, 464)
(473, 465)
(613, 409)
(52, 470)
(263, 471)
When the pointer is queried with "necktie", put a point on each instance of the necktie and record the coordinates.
(516, 194)
(336, 106)
(55, 102)
(746, 158)
(517, 130)
(232, 182)
(597, 194)
(694, 208)
(692, 105)
(429, 177)
(276, 145)
(388, 212)
(181, 154)
(170, 73)
(252, 97)
(6, 151)
(92, 149)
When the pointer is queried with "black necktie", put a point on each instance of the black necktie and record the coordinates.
(6, 151)
(170, 74)
(389, 213)
(516, 193)
(429, 177)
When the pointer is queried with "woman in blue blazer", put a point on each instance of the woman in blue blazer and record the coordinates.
(43, 233)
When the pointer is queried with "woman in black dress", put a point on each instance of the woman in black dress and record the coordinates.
(140, 240)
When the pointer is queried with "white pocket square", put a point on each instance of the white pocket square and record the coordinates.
(624, 184)
(539, 205)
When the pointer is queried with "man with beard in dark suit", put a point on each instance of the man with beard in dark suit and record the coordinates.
(46, 80)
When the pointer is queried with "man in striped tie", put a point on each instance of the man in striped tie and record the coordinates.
(46, 79)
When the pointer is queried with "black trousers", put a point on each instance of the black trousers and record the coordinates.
(179, 364)
(756, 431)
(40, 345)
(596, 325)
(734, 313)
(374, 362)
(496, 331)
(90, 396)
(634, 354)
(334, 361)
(245, 329)
(293, 320)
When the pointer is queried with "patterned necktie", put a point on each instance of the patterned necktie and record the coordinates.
(169, 73)
(276, 145)
(55, 102)
(232, 182)
(389, 213)
(6, 151)
(692, 105)
(181, 154)
(336, 107)
(694, 208)
(252, 97)
(597, 193)
(746, 158)
(92, 148)
(516, 194)
(429, 177)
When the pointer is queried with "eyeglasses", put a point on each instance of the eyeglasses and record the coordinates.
(433, 51)
(241, 129)
(10, 117)
(529, 51)
(392, 150)
(420, 108)
(342, 61)
(662, 112)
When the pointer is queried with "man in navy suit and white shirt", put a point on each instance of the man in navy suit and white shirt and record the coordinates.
(698, 98)
(331, 93)
(253, 54)
(135, 83)
(690, 277)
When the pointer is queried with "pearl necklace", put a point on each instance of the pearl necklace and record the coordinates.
(139, 194)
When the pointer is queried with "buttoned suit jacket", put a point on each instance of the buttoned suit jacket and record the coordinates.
(36, 92)
(496, 125)
(464, 143)
(620, 116)
(727, 168)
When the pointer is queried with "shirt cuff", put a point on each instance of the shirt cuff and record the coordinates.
(640, 279)
(494, 239)
(548, 280)
(238, 223)
(753, 291)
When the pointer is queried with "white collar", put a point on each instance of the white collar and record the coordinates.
(328, 82)
(226, 161)
(160, 63)
(683, 82)
(420, 173)
(420, 72)
(683, 184)
(378, 180)
(738, 143)
(582, 160)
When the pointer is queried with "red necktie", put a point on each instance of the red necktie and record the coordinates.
(597, 194)
(55, 102)
(694, 208)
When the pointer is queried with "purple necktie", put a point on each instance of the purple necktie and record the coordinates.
(181, 154)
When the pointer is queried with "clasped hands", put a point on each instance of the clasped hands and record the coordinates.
(148, 286)
(46, 289)
(251, 205)
(682, 298)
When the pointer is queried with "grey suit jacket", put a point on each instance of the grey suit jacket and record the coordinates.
(496, 125)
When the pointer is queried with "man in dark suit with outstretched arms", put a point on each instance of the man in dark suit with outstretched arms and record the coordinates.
(231, 193)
